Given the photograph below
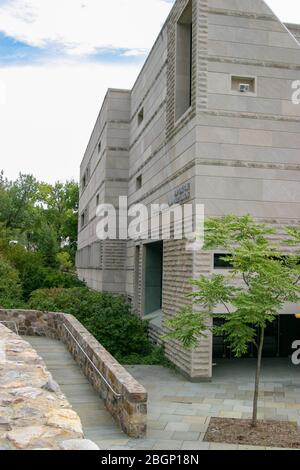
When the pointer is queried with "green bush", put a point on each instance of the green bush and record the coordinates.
(30, 268)
(52, 278)
(107, 317)
(155, 357)
(10, 287)
(33, 273)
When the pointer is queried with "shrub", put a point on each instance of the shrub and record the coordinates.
(155, 357)
(10, 287)
(52, 278)
(33, 273)
(64, 260)
(107, 317)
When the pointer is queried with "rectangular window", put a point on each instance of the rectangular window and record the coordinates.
(97, 200)
(220, 263)
(99, 147)
(184, 54)
(82, 220)
(243, 84)
(85, 178)
(139, 182)
(140, 116)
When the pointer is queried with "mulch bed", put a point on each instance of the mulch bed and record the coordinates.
(266, 434)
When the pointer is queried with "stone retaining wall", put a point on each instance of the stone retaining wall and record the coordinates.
(32, 322)
(34, 414)
(124, 397)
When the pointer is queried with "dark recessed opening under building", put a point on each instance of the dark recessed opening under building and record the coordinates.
(279, 338)
(153, 277)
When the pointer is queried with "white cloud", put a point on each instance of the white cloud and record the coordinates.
(83, 26)
(49, 114)
(48, 111)
(134, 52)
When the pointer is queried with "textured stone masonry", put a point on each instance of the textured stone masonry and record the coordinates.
(34, 414)
(238, 151)
(124, 398)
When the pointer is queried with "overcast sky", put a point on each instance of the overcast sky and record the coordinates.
(57, 58)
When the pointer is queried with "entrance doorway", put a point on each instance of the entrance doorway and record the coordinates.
(279, 337)
(153, 277)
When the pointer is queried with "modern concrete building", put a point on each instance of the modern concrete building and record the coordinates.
(209, 120)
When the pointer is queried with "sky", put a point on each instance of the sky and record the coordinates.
(57, 59)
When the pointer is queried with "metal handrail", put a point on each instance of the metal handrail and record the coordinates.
(13, 322)
(117, 395)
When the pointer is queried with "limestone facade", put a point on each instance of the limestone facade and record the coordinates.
(236, 148)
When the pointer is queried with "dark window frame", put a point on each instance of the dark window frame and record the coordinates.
(139, 182)
(140, 116)
(219, 263)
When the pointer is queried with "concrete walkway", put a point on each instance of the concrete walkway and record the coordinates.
(98, 425)
(178, 411)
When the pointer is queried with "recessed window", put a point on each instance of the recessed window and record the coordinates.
(184, 54)
(139, 182)
(97, 200)
(99, 147)
(82, 220)
(140, 116)
(243, 84)
(85, 178)
(220, 262)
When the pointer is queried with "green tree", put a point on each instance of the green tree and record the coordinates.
(60, 204)
(29, 265)
(294, 233)
(17, 199)
(64, 260)
(10, 287)
(264, 275)
(44, 240)
(33, 272)
(40, 216)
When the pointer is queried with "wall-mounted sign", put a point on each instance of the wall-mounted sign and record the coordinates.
(182, 194)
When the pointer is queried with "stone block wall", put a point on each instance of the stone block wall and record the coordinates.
(177, 270)
(123, 396)
(35, 415)
(106, 162)
(31, 322)
(179, 267)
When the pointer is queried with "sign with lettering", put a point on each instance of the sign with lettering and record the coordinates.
(182, 194)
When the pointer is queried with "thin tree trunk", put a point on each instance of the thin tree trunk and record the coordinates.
(257, 376)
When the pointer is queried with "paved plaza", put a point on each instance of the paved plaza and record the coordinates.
(178, 411)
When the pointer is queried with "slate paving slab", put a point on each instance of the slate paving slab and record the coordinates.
(178, 411)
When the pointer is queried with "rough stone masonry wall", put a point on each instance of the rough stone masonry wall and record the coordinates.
(130, 409)
(34, 414)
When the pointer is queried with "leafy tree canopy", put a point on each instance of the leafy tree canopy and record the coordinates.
(264, 275)
(40, 216)
(38, 231)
